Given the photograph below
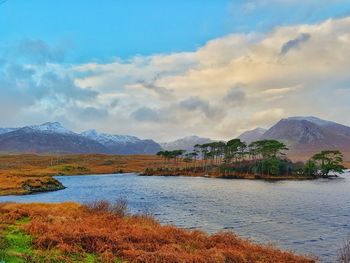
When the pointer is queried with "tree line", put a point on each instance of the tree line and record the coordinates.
(264, 157)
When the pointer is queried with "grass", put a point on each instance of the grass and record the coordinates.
(15, 243)
(16, 246)
(27, 173)
(103, 232)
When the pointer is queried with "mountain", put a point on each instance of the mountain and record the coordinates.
(47, 138)
(303, 135)
(252, 135)
(123, 144)
(51, 127)
(307, 135)
(186, 143)
(6, 130)
(52, 137)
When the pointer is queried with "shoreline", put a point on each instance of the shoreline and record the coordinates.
(239, 176)
(30, 173)
(55, 185)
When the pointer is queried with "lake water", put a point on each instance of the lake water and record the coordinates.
(309, 217)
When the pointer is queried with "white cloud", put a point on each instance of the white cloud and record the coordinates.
(232, 83)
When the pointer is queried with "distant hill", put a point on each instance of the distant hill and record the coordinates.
(123, 144)
(54, 138)
(6, 130)
(186, 143)
(252, 135)
(303, 135)
(47, 138)
(308, 135)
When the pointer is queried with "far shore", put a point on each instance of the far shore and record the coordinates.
(28, 173)
(264, 177)
(242, 176)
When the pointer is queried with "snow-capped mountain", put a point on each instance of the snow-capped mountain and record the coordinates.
(52, 137)
(47, 138)
(123, 144)
(51, 127)
(186, 143)
(303, 135)
(108, 139)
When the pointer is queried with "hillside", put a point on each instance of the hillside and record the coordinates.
(308, 135)
(186, 143)
(54, 138)
(252, 135)
(123, 144)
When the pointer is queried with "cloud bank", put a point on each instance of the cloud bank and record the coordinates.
(233, 83)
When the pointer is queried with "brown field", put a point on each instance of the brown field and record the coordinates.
(23, 174)
(60, 231)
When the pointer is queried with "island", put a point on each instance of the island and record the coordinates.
(260, 160)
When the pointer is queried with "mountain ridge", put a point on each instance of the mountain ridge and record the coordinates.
(52, 137)
(185, 143)
(303, 135)
(252, 135)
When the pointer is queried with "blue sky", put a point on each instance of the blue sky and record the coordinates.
(101, 30)
(168, 69)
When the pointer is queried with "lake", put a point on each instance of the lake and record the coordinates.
(309, 217)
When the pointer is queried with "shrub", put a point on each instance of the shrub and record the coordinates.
(344, 252)
(119, 207)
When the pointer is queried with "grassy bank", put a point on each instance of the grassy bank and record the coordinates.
(25, 174)
(101, 232)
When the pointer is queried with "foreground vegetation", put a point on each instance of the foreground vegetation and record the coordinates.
(102, 232)
(344, 252)
(264, 159)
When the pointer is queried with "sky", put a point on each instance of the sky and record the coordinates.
(168, 69)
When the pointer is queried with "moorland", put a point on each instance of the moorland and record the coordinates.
(104, 232)
(29, 173)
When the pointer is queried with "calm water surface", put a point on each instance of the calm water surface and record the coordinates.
(311, 217)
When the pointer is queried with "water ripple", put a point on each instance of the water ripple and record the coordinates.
(310, 217)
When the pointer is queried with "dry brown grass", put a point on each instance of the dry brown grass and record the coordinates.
(15, 170)
(33, 165)
(97, 229)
